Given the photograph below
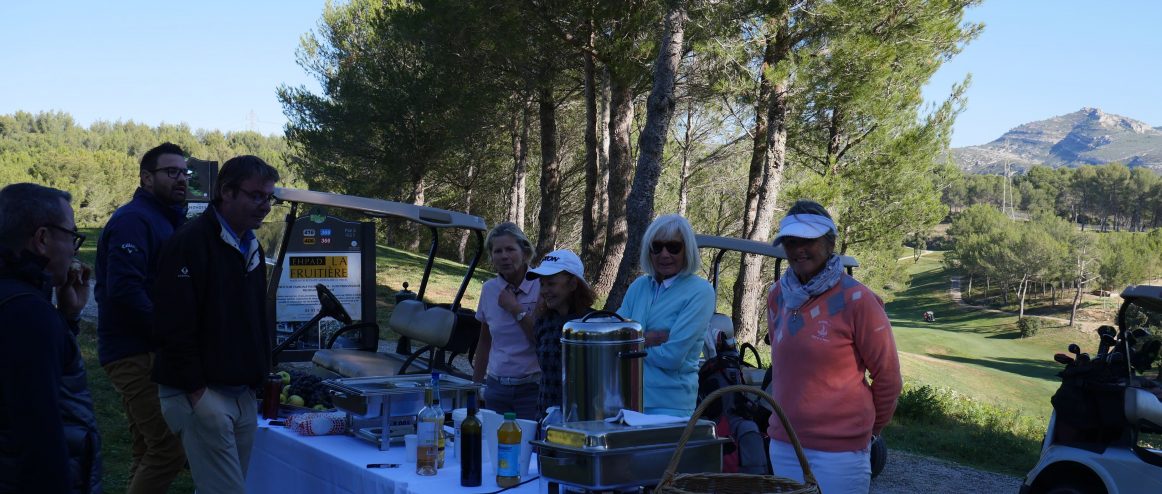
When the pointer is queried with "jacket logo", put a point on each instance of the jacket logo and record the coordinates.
(821, 333)
(129, 248)
(184, 272)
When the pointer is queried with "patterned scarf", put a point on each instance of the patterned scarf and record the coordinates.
(795, 294)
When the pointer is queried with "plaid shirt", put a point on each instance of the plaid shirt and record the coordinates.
(548, 332)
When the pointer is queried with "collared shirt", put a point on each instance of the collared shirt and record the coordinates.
(512, 354)
(246, 243)
(662, 286)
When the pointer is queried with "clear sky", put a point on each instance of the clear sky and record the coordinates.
(215, 64)
(1042, 58)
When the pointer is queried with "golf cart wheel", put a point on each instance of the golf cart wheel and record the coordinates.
(879, 455)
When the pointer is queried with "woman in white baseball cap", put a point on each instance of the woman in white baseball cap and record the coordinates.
(564, 296)
(827, 330)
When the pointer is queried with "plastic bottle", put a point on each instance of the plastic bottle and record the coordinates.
(471, 437)
(508, 452)
(270, 396)
(427, 422)
(435, 403)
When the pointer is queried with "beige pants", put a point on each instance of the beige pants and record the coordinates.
(217, 433)
(157, 452)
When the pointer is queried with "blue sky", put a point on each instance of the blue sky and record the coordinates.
(215, 64)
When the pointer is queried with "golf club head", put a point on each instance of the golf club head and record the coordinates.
(1062, 358)
(1107, 330)
(1075, 350)
(1083, 358)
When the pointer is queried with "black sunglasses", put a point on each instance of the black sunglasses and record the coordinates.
(78, 238)
(173, 172)
(673, 246)
(258, 198)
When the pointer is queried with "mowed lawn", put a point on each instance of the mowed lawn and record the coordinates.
(976, 352)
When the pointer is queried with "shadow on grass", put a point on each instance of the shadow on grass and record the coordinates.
(1043, 369)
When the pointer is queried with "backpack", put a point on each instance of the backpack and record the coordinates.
(736, 416)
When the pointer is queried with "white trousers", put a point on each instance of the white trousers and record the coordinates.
(843, 472)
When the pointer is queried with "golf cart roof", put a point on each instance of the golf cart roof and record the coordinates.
(379, 208)
(756, 247)
(1144, 295)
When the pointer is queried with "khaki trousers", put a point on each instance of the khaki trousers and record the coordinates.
(217, 433)
(157, 452)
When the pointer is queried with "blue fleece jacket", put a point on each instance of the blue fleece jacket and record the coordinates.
(126, 268)
(671, 369)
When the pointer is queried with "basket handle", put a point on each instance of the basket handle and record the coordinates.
(808, 476)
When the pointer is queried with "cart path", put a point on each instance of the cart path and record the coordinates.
(907, 473)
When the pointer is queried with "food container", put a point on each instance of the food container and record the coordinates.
(598, 455)
(388, 401)
(602, 365)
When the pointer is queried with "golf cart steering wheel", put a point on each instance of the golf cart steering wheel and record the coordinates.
(330, 306)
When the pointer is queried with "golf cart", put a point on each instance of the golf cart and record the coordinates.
(317, 250)
(1105, 431)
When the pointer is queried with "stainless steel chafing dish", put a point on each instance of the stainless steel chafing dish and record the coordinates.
(379, 406)
(598, 455)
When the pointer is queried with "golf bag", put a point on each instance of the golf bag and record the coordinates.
(736, 415)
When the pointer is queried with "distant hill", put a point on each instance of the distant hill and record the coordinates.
(1085, 137)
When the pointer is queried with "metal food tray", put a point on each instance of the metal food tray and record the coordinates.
(599, 455)
(384, 401)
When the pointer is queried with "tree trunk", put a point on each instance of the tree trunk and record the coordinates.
(520, 155)
(684, 175)
(1076, 302)
(592, 219)
(464, 233)
(1022, 291)
(550, 174)
(620, 174)
(652, 145)
(768, 155)
(416, 197)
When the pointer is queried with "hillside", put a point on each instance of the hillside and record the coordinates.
(1086, 137)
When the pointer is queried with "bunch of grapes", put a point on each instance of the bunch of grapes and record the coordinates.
(307, 386)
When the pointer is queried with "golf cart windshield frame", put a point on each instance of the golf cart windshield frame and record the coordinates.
(433, 218)
(724, 244)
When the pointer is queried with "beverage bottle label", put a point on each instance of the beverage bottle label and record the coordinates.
(509, 457)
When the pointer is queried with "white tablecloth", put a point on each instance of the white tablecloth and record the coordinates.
(284, 462)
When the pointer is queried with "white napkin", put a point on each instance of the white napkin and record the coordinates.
(630, 417)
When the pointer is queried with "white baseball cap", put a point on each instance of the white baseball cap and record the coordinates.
(804, 226)
(557, 261)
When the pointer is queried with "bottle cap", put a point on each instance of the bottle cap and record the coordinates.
(509, 415)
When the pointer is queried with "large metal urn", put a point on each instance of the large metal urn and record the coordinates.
(602, 362)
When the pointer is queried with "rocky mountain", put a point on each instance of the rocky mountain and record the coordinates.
(1085, 137)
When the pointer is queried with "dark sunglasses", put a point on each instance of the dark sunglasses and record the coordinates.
(78, 238)
(673, 246)
(174, 172)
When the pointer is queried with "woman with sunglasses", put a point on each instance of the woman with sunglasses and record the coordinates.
(673, 305)
(827, 330)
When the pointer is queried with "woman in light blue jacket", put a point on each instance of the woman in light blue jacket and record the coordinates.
(673, 305)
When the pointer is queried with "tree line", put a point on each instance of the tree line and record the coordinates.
(1006, 258)
(98, 164)
(609, 112)
(1110, 197)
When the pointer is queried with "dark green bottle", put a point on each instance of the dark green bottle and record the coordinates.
(472, 435)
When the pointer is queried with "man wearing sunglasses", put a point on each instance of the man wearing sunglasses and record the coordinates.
(48, 431)
(127, 255)
(211, 327)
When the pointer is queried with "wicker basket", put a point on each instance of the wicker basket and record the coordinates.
(735, 483)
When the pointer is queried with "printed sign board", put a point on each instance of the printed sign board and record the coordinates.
(338, 254)
(200, 186)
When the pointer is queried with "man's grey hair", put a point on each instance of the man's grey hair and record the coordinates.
(666, 227)
(509, 228)
(24, 207)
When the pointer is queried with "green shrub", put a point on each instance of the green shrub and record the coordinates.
(1028, 326)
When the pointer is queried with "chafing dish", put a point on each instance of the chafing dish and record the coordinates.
(385, 402)
(598, 455)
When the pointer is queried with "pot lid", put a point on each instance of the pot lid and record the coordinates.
(601, 327)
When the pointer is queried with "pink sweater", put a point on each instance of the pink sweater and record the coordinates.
(820, 355)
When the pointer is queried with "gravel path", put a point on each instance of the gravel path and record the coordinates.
(907, 473)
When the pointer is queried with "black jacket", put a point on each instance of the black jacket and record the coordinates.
(210, 320)
(126, 269)
(48, 432)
